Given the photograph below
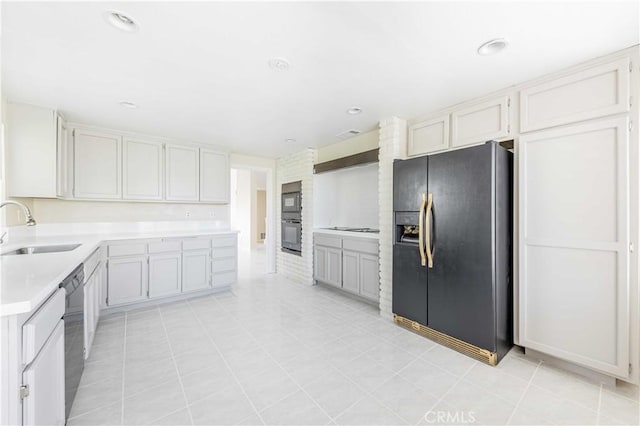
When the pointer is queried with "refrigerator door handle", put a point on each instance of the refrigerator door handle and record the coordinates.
(427, 226)
(423, 259)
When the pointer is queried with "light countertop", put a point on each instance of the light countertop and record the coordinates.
(350, 234)
(27, 280)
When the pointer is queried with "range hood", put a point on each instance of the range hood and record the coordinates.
(349, 161)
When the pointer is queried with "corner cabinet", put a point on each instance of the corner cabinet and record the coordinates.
(97, 164)
(214, 176)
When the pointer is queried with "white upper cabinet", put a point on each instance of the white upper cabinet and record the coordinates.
(481, 122)
(142, 169)
(97, 165)
(428, 136)
(596, 92)
(182, 173)
(214, 176)
(574, 244)
(31, 151)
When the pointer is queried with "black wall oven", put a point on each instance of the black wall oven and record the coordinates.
(291, 237)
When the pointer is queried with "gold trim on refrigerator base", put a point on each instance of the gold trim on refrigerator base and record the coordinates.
(468, 349)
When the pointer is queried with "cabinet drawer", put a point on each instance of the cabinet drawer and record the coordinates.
(596, 92)
(127, 249)
(361, 246)
(326, 240)
(224, 279)
(165, 246)
(39, 327)
(222, 265)
(223, 252)
(226, 241)
(196, 244)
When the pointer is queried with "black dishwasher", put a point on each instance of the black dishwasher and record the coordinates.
(73, 334)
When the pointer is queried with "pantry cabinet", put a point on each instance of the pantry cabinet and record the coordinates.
(574, 243)
(595, 92)
(477, 123)
(428, 136)
(97, 164)
(214, 176)
(182, 169)
(142, 169)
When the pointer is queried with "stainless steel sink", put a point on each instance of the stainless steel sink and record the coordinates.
(42, 249)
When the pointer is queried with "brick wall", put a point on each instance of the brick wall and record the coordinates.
(292, 168)
(393, 134)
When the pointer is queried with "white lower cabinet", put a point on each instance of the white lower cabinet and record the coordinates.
(224, 260)
(347, 263)
(128, 280)
(196, 270)
(574, 244)
(165, 274)
(44, 381)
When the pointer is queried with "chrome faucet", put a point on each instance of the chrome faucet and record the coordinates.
(27, 213)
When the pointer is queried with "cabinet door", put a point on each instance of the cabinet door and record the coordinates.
(350, 271)
(369, 278)
(64, 166)
(44, 377)
(127, 280)
(165, 274)
(142, 170)
(89, 315)
(574, 244)
(481, 122)
(182, 173)
(334, 267)
(196, 270)
(428, 136)
(596, 92)
(97, 165)
(320, 263)
(30, 151)
(214, 176)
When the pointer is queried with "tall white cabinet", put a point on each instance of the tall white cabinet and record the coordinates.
(578, 213)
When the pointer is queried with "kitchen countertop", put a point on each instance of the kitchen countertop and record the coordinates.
(351, 234)
(27, 280)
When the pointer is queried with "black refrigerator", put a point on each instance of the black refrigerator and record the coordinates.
(452, 253)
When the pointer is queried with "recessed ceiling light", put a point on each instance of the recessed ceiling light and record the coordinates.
(354, 110)
(290, 140)
(280, 64)
(121, 21)
(492, 47)
(128, 104)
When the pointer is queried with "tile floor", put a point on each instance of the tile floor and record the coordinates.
(275, 352)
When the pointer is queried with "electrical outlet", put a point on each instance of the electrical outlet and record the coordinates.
(212, 215)
(187, 214)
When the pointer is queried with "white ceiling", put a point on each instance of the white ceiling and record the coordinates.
(199, 71)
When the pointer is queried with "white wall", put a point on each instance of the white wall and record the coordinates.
(240, 206)
(346, 197)
(292, 168)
